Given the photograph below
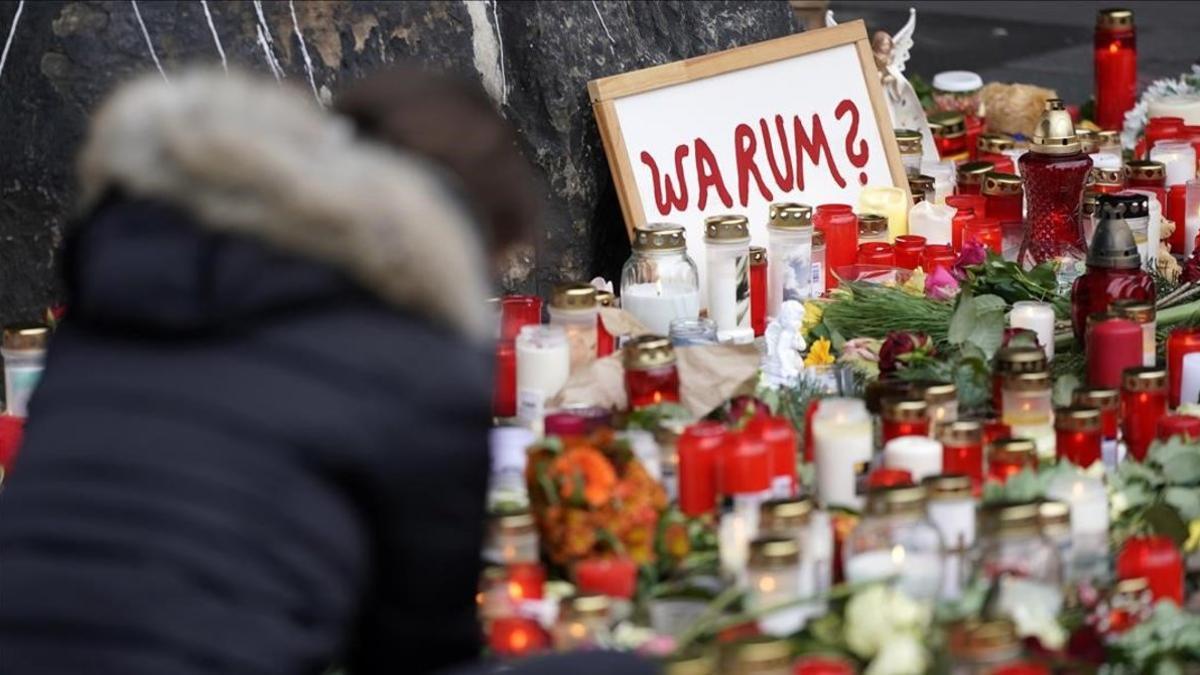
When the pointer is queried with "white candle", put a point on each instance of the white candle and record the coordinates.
(1106, 160)
(656, 304)
(733, 544)
(1191, 217)
(1186, 106)
(1189, 383)
(1148, 246)
(921, 456)
(943, 175)
(1088, 500)
(932, 221)
(844, 442)
(892, 202)
(543, 365)
(918, 574)
(1179, 157)
(955, 519)
(1037, 317)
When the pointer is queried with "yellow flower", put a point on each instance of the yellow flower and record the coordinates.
(819, 354)
(915, 285)
(1193, 540)
(813, 311)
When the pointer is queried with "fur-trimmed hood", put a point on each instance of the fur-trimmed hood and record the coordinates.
(244, 156)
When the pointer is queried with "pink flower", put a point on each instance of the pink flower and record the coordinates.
(901, 349)
(973, 254)
(941, 284)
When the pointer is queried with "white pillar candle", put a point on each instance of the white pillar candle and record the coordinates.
(932, 221)
(656, 304)
(1148, 241)
(1189, 383)
(1185, 106)
(892, 202)
(1088, 500)
(1179, 157)
(921, 456)
(543, 365)
(1037, 317)
(1191, 217)
(918, 574)
(844, 442)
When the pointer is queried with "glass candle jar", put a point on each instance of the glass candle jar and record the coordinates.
(985, 231)
(1157, 559)
(1027, 399)
(923, 188)
(1179, 159)
(1115, 66)
(969, 177)
(651, 377)
(514, 538)
(543, 365)
(904, 417)
(967, 208)
(583, 623)
(890, 202)
(980, 647)
(789, 246)
(1143, 403)
(512, 637)
(1114, 265)
(1038, 317)
(843, 444)
(933, 223)
(1012, 546)
(991, 147)
(949, 131)
(1078, 434)
(727, 250)
(780, 438)
(758, 290)
(951, 509)
(920, 456)
(962, 450)
(938, 256)
(1143, 314)
(840, 227)
(518, 311)
(958, 90)
(1010, 361)
(1145, 173)
(1108, 402)
(786, 517)
(876, 253)
(909, 142)
(1004, 197)
(774, 575)
(1106, 179)
(1183, 365)
(573, 307)
(1113, 345)
(690, 332)
(872, 228)
(817, 286)
(659, 282)
(24, 352)
(1176, 212)
(1009, 456)
(909, 250)
(942, 401)
(895, 539)
(699, 449)
(1054, 171)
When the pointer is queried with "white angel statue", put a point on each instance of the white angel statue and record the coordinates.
(891, 53)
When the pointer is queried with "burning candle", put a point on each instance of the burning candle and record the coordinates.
(525, 581)
(789, 247)
(650, 374)
(843, 440)
(1009, 456)
(933, 222)
(1143, 403)
(1186, 426)
(758, 290)
(699, 449)
(942, 401)
(1010, 361)
(774, 575)
(985, 231)
(921, 456)
(660, 282)
(840, 228)
(1027, 400)
(1037, 317)
(1156, 559)
(969, 177)
(1183, 365)
(1108, 402)
(727, 249)
(514, 538)
(516, 636)
(1078, 435)
(1113, 346)
(887, 201)
(1179, 158)
(904, 417)
(909, 250)
(1115, 66)
(962, 450)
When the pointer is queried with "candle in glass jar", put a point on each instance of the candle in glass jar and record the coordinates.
(840, 228)
(933, 222)
(1176, 212)
(817, 283)
(657, 304)
(573, 306)
(872, 227)
(1004, 197)
(921, 456)
(942, 401)
(1179, 159)
(909, 143)
(1027, 399)
(727, 249)
(606, 342)
(875, 253)
(1009, 456)
(1183, 365)
(951, 508)
(1037, 317)
(1078, 435)
(651, 377)
(904, 417)
(790, 248)
(985, 231)
(923, 189)
(1186, 426)
(758, 290)
(1191, 220)
(1115, 66)
(962, 450)
(909, 250)
(514, 538)
(949, 134)
(516, 636)
(1108, 402)
(890, 202)
(543, 365)
(1012, 360)
(942, 174)
(774, 576)
(1157, 559)
(843, 440)
(1112, 346)
(1143, 403)
(699, 449)
(780, 438)
(969, 176)
(937, 256)
(990, 147)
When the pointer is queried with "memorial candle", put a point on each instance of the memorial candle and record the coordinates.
(921, 456)
(949, 134)
(1010, 361)
(758, 290)
(1037, 317)
(1054, 170)
(780, 438)
(606, 342)
(923, 189)
(875, 253)
(962, 450)
(1183, 365)
(840, 227)
(872, 227)
(1158, 127)
(1143, 314)
(1143, 403)
(1108, 402)
(727, 250)
(1179, 159)
(937, 256)
(909, 250)
(699, 449)
(1078, 435)
(1186, 426)
(843, 440)
(651, 377)
(1004, 197)
(887, 201)
(1176, 212)
(903, 417)
(932, 222)
(1113, 346)
(1157, 559)
(990, 147)
(969, 177)
(1114, 264)
(790, 249)
(986, 232)
(909, 143)
(659, 282)
(1145, 173)
(1191, 219)
(1115, 67)
(1009, 456)
(1106, 179)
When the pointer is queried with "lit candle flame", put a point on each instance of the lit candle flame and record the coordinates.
(766, 584)
(898, 555)
(658, 287)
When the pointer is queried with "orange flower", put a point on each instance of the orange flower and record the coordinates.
(588, 465)
(676, 539)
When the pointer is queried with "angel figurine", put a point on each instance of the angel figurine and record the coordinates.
(891, 53)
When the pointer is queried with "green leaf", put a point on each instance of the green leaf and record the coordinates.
(1181, 464)
(1165, 520)
(962, 322)
(1186, 500)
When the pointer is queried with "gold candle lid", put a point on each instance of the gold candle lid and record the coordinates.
(904, 410)
(1102, 399)
(1020, 360)
(514, 523)
(947, 486)
(761, 655)
(606, 298)
(774, 552)
(895, 499)
(872, 225)
(1055, 133)
(659, 237)
(971, 173)
(921, 183)
(1109, 137)
(963, 432)
(1146, 170)
(909, 141)
(780, 516)
(1102, 176)
(645, 352)
(26, 337)
(995, 143)
(1089, 142)
(1112, 18)
(975, 638)
(585, 607)
(1012, 450)
(758, 255)
(1144, 379)
(1077, 418)
(789, 216)
(937, 392)
(1134, 586)
(726, 228)
(1053, 513)
(947, 124)
(696, 663)
(1134, 310)
(1001, 184)
(1010, 517)
(573, 296)
(1037, 381)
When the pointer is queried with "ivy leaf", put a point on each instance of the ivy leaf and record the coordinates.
(1180, 461)
(978, 321)
(962, 322)
(1186, 500)
(1165, 520)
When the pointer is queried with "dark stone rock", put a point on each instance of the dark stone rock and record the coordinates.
(66, 55)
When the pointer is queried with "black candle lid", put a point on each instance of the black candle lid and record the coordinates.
(1113, 245)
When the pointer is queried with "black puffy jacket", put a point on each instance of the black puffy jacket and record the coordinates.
(259, 443)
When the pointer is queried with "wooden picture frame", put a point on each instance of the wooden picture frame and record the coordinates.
(604, 92)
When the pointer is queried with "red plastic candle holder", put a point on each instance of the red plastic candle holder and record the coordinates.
(1180, 343)
(1176, 212)
(1078, 435)
(606, 343)
(985, 231)
(876, 253)
(504, 391)
(904, 417)
(518, 311)
(699, 449)
(889, 478)
(962, 450)
(1115, 67)
(1113, 346)
(937, 255)
(780, 438)
(1143, 404)
(758, 290)
(840, 226)
(745, 466)
(1108, 402)
(1009, 456)
(615, 577)
(1159, 129)
(909, 250)
(515, 636)
(1187, 426)
(1156, 559)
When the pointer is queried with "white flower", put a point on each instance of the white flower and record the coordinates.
(878, 615)
(602, 284)
(784, 338)
(902, 655)
(1135, 118)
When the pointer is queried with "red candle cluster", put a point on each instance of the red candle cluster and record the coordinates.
(1143, 403)
(699, 450)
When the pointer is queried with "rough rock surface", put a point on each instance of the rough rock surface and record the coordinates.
(66, 55)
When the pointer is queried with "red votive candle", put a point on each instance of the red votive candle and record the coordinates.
(613, 576)
(1176, 212)
(758, 289)
(650, 374)
(699, 450)
(1112, 346)
(904, 417)
(518, 311)
(840, 226)
(969, 177)
(909, 249)
(565, 425)
(516, 636)
(975, 203)
(780, 437)
(949, 130)
(1108, 402)
(937, 255)
(1181, 342)
(962, 450)
(1159, 129)
(1009, 456)
(504, 383)
(1115, 66)
(963, 218)
(526, 581)
(1012, 361)
(1077, 435)
(985, 231)
(1156, 559)
(876, 253)
(822, 665)
(809, 413)
(745, 467)
(606, 343)
(995, 429)
(889, 478)
(1143, 404)
(1179, 425)
(1003, 196)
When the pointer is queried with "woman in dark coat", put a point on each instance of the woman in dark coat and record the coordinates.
(258, 446)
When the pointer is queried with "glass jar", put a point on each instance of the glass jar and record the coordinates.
(789, 245)
(1143, 314)
(573, 307)
(1115, 66)
(689, 332)
(1176, 212)
(962, 450)
(774, 575)
(909, 142)
(991, 147)
(949, 135)
(890, 202)
(1145, 173)
(1143, 403)
(986, 232)
(904, 417)
(727, 250)
(651, 377)
(938, 255)
(1011, 361)
(895, 539)
(965, 205)
(1108, 402)
(942, 401)
(1183, 365)
(840, 227)
(1114, 269)
(877, 254)
(969, 177)
(1106, 180)
(543, 365)
(514, 538)
(872, 228)
(606, 342)
(1157, 559)
(1005, 197)
(951, 509)
(24, 353)
(979, 647)
(817, 287)
(922, 188)
(1027, 400)
(1014, 554)
(758, 290)
(1054, 171)
(513, 637)
(1078, 435)
(1054, 520)
(1008, 457)
(659, 282)
(1179, 159)
(909, 250)
(583, 623)
(959, 91)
